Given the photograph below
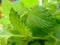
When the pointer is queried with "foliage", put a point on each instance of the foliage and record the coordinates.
(32, 24)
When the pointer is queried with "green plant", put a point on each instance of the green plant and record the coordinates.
(34, 24)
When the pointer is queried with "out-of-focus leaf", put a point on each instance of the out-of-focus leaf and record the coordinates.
(50, 41)
(52, 7)
(57, 34)
(30, 3)
(17, 41)
(6, 6)
(57, 16)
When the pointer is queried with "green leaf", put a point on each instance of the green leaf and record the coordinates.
(57, 16)
(19, 7)
(40, 21)
(3, 41)
(17, 24)
(17, 41)
(30, 3)
(35, 42)
(57, 34)
(6, 7)
(52, 7)
(50, 41)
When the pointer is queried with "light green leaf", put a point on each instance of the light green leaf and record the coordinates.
(30, 3)
(17, 24)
